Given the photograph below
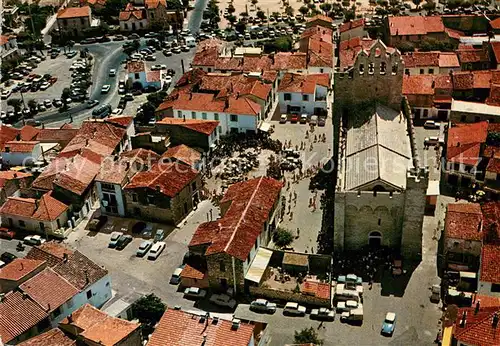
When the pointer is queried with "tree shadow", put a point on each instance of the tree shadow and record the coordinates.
(396, 285)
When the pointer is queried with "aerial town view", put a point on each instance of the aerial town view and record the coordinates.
(250, 173)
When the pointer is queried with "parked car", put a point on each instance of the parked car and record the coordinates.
(283, 118)
(34, 240)
(7, 257)
(294, 118)
(112, 72)
(167, 52)
(223, 300)
(92, 103)
(321, 120)
(175, 279)
(323, 314)
(431, 124)
(57, 103)
(105, 88)
(96, 223)
(144, 248)
(432, 140)
(6, 233)
(389, 324)
(262, 305)
(292, 308)
(129, 97)
(6, 94)
(117, 111)
(158, 67)
(314, 120)
(156, 250)
(194, 292)
(303, 118)
(159, 235)
(346, 305)
(435, 293)
(123, 241)
(118, 38)
(114, 239)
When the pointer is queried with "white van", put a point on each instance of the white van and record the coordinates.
(190, 41)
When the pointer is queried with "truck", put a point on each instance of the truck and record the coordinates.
(343, 294)
(354, 315)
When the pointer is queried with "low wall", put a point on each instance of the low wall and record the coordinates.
(289, 296)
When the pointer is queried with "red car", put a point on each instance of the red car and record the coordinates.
(294, 118)
(5, 233)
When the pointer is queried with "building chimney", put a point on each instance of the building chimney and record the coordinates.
(478, 306)
(494, 324)
(70, 318)
(65, 257)
(2, 297)
(158, 188)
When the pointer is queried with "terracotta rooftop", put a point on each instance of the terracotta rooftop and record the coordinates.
(491, 216)
(7, 133)
(289, 61)
(99, 327)
(12, 175)
(493, 165)
(250, 204)
(153, 76)
(169, 178)
(136, 66)
(472, 56)
(448, 59)
(320, 53)
(490, 258)
(53, 337)
(317, 289)
(421, 59)
(183, 154)
(20, 146)
(29, 133)
(304, 84)
(422, 84)
(56, 135)
(80, 271)
(198, 125)
(318, 32)
(47, 208)
(464, 142)
(18, 314)
(464, 221)
(349, 50)
(153, 4)
(206, 57)
(478, 328)
(19, 268)
(495, 24)
(178, 328)
(320, 17)
(51, 252)
(121, 121)
(49, 289)
(74, 12)
(415, 25)
(192, 273)
(352, 24)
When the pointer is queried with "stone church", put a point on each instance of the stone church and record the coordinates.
(380, 190)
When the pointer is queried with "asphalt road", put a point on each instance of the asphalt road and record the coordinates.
(197, 16)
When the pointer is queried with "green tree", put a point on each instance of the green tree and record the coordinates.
(231, 9)
(308, 336)
(16, 104)
(255, 2)
(65, 94)
(240, 27)
(32, 104)
(261, 15)
(429, 6)
(326, 7)
(304, 10)
(350, 14)
(148, 309)
(417, 2)
(289, 11)
(282, 237)
(231, 19)
(311, 6)
(275, 14)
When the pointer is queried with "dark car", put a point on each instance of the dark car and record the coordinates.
(7, 257)
(119, 38)
(123, 241)
(92, 103)
(54, 55)
(133, 37)
(88, 40)
(96, 223)
(321, 120)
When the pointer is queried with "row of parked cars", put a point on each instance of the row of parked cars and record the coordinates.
(294, 118)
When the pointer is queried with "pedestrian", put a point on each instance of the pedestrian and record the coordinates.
(298, 232)
(291, 216)
(294, 195)
(310, 202)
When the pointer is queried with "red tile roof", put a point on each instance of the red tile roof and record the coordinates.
(318, 32)
(24, 207)
(415, 25)
(19, 268)
(235, 84)
(192, 273)
(178, 328)
(7, 134)
(472, 56)
(21, 146)
(29, 133)
(229, 64)
(317, 289)
(464, 142)
(464, 221)
(78, 176)
(320, 17)
(491, 216)
(153, 76)
(80, 271)
(349, 50)
(3, 39)
(136, 66)
(74, 12)
(448, 59)
(490, 258)
(98, 327)
(493, 165)
(51, 252)
(495, 24)
(131, 11)
(53, 337)
(256, 64)
(352, 24)
(183, 154)
(305, 84)
(121, 121)
(289, 61)
(250, 204)
(202, 126)
(495, 47)
(12, 175)
(320, 53)
(152, 4)
(419, 59)
(478, 328)
(422, 84)
(56, 135)
(170, 178)
(18, 314)
(49, 289)
(206, 57)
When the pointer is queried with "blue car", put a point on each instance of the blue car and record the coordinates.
(389, 324)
